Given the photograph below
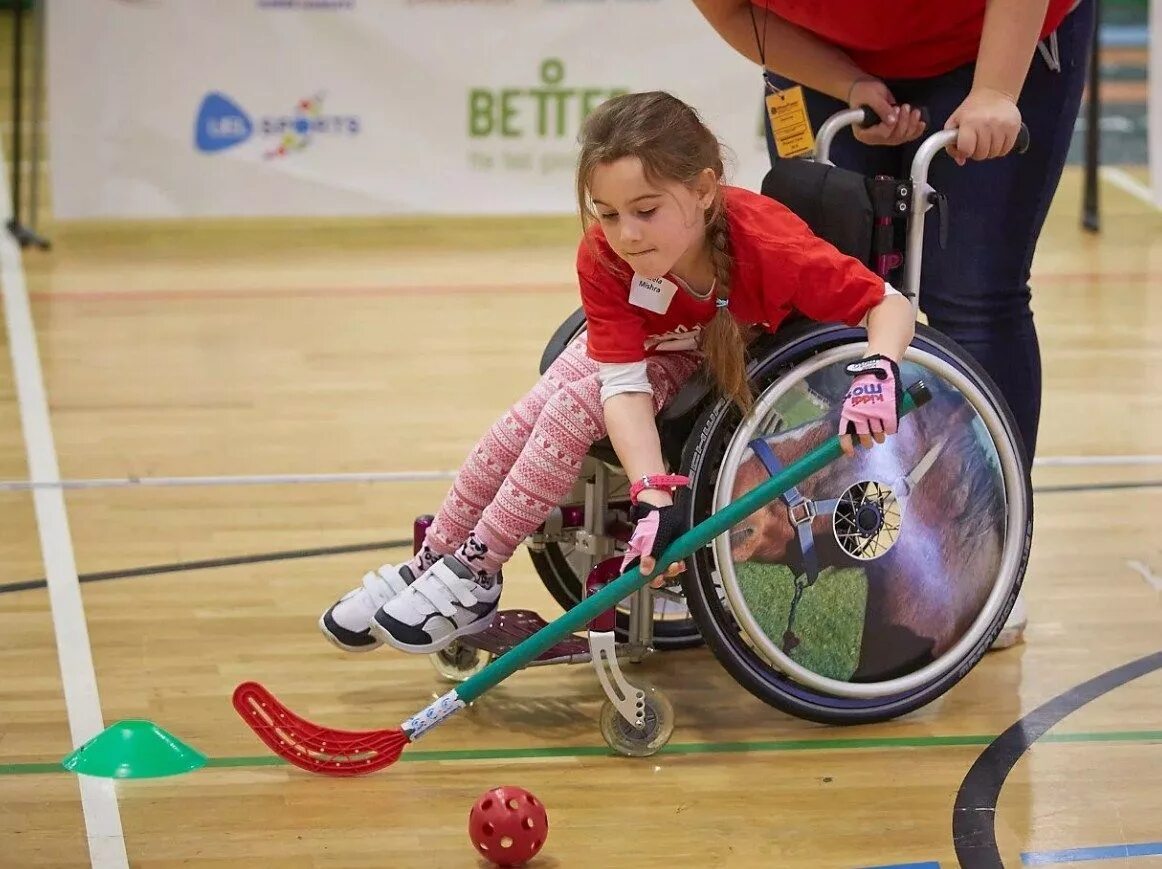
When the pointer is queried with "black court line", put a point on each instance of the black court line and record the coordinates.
(215, 562)
(974, 814)
(29, 584)
(1096, 487)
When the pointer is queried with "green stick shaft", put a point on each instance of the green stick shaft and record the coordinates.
(630, 581)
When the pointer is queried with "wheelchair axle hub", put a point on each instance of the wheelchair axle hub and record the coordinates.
(866, 521)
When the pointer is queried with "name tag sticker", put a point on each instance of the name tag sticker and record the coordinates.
(653, 294)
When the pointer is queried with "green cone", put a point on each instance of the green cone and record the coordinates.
(134, 748)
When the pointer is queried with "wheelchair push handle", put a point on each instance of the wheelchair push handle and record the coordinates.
(923, 196)
(870, 119)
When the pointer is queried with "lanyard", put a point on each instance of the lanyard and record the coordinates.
(761, 44)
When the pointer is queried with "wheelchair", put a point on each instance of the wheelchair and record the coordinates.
(865, 593)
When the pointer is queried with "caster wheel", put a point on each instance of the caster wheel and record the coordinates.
(626, 739)
(458, 662)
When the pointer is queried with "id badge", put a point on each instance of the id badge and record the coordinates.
(789, 123)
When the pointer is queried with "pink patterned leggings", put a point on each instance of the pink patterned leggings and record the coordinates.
(527, 463)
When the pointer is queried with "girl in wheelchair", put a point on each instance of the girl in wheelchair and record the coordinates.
(674, 268)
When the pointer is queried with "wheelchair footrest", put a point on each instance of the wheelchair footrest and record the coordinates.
(510, 627)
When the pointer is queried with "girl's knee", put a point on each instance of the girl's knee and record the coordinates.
(577, 396)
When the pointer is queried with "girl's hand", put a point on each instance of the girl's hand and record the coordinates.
(987, 123)
(655, 528)
(899, 124)
(871, 408)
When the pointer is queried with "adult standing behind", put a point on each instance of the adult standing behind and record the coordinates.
(981, 67)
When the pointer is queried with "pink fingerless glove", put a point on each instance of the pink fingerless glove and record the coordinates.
(872, 403)
(655, 528)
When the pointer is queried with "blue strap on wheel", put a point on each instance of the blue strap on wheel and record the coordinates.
(800, 510)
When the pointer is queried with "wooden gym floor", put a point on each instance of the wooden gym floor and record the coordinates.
(285, 349)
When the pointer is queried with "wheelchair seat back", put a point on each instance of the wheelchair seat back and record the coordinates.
(834, 202)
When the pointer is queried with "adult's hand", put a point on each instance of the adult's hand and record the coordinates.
(898, 124)
(987, 123)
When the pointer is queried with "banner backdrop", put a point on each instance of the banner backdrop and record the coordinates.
(181, 108)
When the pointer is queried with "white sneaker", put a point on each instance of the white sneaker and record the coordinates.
(1013, 631)
(445, 602)
(347, 621)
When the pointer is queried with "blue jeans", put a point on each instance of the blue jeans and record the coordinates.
(976, 291)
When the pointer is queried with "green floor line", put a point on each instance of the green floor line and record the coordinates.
(477, 754)
(30, 768)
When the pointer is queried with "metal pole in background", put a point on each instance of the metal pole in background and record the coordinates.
(38, 16)
(24, 235)
(1090, 216)
(17, 107)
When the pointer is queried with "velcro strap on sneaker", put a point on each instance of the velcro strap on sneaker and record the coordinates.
(382, 585)
(441, 586)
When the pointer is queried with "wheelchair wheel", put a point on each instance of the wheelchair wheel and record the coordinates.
(885, 588)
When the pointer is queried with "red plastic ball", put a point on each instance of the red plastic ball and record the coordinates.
(508, 825)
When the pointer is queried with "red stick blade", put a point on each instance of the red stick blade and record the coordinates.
(312, 747)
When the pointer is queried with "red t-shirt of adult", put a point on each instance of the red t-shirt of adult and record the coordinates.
(779, 266)
(899, 38)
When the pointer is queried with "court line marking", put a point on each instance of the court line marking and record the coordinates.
(1064, 855)
(1147, 574)
(226, 561)
(1100, 852)
(567, 752)
(99, 808)
(1128, 460)
(210, 294)
(1097, 487)
(974, 813)
(1087, 461)
(1126, 182)
(315, 292)
(232, 480)
(347, 548)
